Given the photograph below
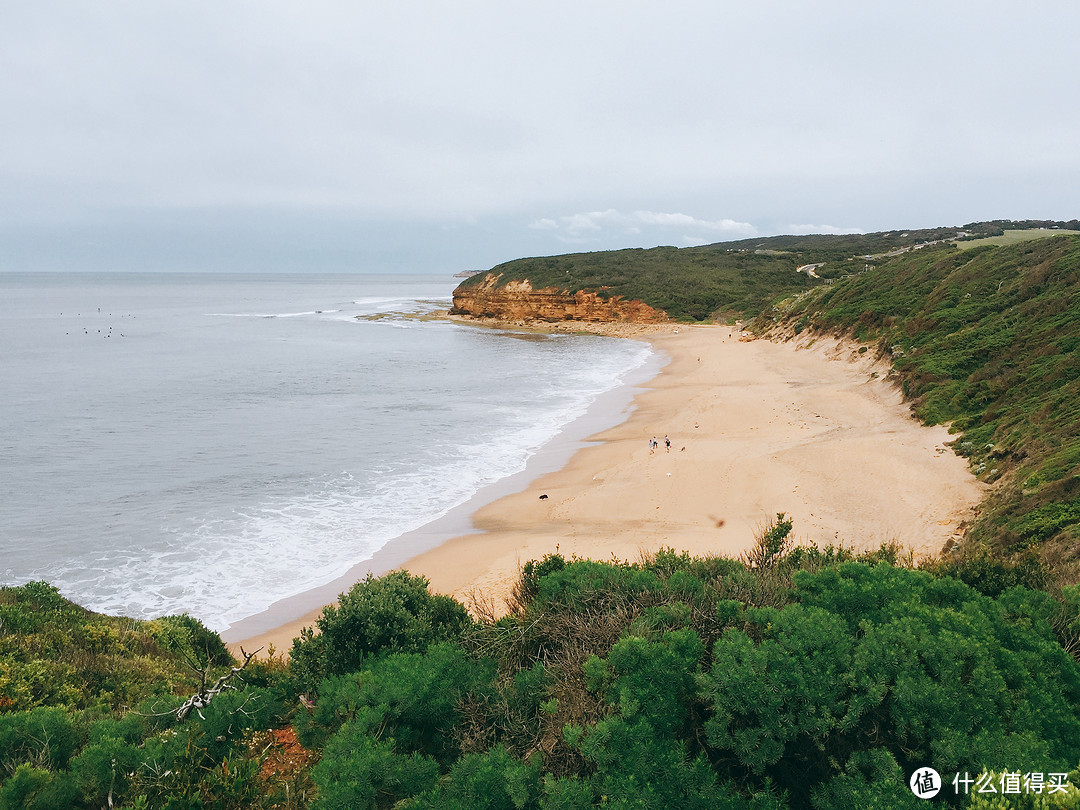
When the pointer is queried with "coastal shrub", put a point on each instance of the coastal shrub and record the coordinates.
(44, 737)
(190, 639)
(992, 576)
(639, 754)
(650, 680)
(412, 697)
(528, 585)
(869, 779)
(170, 777)
(672, 682)
(584, 581)
(103, 769)
(492, 780)
(359, 772)
(884, 662)
(771, 543)
(55, 653)
(392, 613)
(33, 788)
(203, 762)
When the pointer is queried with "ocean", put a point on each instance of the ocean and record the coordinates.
(210, 444)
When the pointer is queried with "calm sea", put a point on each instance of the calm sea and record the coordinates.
(211, 443)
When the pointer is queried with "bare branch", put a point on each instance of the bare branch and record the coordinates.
(203, 697)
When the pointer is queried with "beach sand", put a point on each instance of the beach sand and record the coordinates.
(809, 428)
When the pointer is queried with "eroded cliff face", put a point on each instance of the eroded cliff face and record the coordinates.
(518, 301)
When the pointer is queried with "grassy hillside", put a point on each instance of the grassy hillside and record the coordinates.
(688, 284)
(1013, 236)
(989, 340)
(723, 281)
(728, 280)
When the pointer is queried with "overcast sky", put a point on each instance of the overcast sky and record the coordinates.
(439, 136)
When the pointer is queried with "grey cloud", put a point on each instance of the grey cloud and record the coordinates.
(478, 114)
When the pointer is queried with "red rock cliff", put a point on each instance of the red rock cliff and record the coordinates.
(518, 301)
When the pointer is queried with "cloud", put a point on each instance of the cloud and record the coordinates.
(592, 225)
(413, 113)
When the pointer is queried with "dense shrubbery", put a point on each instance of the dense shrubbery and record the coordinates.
(87, 710)
(816, 681)
(810, 678)
(55, 653)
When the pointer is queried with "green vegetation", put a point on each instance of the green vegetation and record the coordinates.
(1013, 236)
(988, 340)
(715, 282)
(395, 612)
(55, 653)
(731, 280)
(88, 711)
(687, 284)
(805, 679)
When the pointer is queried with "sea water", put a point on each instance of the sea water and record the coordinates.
(209, 443)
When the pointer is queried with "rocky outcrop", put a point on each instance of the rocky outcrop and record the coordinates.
(518, 301)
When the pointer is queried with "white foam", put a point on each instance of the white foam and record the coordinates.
(272, 543)
(229, 567)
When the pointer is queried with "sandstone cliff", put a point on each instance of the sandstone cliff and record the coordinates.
(518, 301)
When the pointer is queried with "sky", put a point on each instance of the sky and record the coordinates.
(325, 136)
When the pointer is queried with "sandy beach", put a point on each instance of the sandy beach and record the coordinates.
(810, 428)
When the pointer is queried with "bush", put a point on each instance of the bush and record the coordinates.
(43, 737)
(190, 639)
(34, 788)
(55, 653)
(358, 772)
(409, 696)
(492, 780)
(889, 663)
(393, 613)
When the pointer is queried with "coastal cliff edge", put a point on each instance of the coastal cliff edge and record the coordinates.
(519, 301)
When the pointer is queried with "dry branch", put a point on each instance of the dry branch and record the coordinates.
(203, 697)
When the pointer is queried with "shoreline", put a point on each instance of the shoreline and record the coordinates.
(810, 428)
(292, 613)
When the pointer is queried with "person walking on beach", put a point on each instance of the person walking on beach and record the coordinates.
(653, 444)
(667, 443)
